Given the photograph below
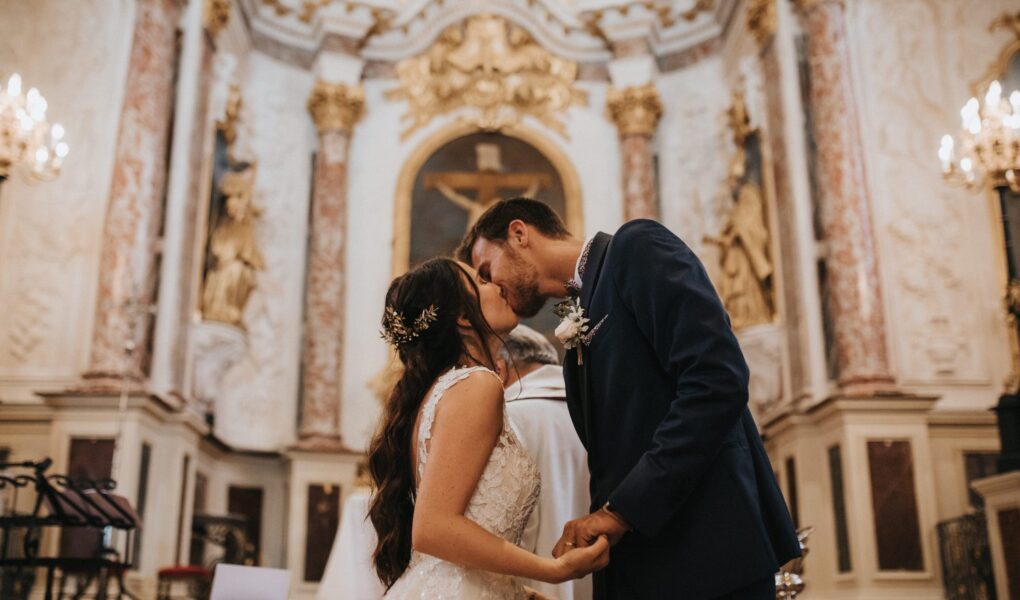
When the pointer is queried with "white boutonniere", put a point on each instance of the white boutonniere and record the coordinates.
(573, 326)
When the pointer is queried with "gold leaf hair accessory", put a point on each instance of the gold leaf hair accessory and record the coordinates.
(397, 332)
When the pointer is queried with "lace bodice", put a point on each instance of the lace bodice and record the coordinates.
(506, 495)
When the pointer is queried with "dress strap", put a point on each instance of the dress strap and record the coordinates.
(428, 417)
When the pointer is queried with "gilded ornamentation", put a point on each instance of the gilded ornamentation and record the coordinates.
(635, 110)
(803, 6)
(745, 282)
(692, 13)
(487, 64)
(215, 15)
(1000, 67)
(335, 106)
(233, 252)
(1012, 302)
(740, 126)
(1007, 21)
(231, 115)
(761, 20)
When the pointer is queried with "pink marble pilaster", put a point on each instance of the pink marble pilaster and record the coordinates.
(854, 291)
(639, 197)
(127, 263)
(636, 112)
(335, 109)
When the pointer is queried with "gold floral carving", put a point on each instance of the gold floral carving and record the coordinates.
(635, 110)
(335, 106)
(215, 15)
(761, 20)
(487, 64)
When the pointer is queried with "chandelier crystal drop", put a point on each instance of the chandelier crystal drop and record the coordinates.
(28, 142)
(987, 149)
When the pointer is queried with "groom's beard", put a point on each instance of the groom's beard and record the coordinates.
(521, 288)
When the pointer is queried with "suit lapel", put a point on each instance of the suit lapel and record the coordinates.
(589, 280)
(593, 268)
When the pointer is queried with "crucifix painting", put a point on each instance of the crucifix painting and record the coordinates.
(465, 177)
(488, 179)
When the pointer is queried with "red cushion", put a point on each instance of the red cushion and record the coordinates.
(185, 572)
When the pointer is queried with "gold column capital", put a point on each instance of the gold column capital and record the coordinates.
(336, 106)
(215, 15)
(761, 20)
(636, 110)
(805, 6)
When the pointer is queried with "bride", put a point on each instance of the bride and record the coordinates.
(454, 487)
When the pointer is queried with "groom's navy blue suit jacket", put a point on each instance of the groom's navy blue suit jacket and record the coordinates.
(660, 403)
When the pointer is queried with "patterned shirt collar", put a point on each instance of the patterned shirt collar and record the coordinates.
(575, 283)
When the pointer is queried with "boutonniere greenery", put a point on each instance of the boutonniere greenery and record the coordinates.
(573, 326)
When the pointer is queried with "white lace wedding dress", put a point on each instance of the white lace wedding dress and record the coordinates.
(506, 494)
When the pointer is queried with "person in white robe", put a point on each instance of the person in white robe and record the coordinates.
(536, 405)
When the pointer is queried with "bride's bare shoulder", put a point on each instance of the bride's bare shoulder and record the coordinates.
(476, 398)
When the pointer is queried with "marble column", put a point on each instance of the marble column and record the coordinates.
(127, 273)
(636, 111)
(335, 108)
(854, 294)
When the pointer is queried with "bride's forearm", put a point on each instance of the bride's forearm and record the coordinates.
(460, 540)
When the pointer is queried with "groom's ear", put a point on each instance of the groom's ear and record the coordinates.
(517, 233)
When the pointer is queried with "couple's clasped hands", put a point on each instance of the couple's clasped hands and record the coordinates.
(584, 545)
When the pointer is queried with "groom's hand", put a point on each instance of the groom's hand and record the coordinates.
(583, 532)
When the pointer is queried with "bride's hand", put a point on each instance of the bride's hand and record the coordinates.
(581, 561)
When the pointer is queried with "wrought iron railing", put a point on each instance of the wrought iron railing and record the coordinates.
(966, 558)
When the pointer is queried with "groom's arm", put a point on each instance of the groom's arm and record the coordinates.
(678, 311)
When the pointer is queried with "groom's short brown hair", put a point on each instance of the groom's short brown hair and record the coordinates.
(495, 221)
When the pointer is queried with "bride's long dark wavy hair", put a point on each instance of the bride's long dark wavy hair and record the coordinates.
(442, 283)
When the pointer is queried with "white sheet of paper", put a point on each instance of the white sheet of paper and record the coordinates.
(236, 582)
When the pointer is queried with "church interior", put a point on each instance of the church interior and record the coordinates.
(202, 203)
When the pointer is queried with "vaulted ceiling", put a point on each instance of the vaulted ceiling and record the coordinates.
(587, 31)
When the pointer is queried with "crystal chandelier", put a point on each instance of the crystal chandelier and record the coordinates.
(27, 141)
(988, 152)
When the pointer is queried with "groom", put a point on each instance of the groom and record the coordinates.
(657, 391)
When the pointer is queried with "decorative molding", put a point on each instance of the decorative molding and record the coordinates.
(217, 348)
(939, 333)
(488, 64)
(215, 15)
(1007, 21)
(806, 6)
(389, 31)
(31, 319)
(336, 106)
(231, 114)
(761, 20)
(635, 110)
(1000, 66)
